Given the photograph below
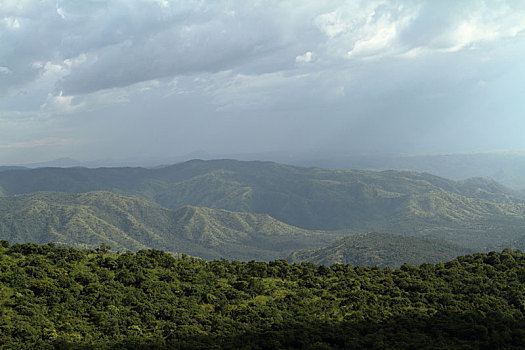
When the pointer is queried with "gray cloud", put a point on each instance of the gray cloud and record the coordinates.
(357, 75)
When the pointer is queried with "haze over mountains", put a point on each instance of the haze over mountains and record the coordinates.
(507, 168)
(254, 210)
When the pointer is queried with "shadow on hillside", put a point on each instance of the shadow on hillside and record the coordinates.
(452, 330)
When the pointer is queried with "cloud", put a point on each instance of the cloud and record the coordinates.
(340, 64)
(61, 104)
(124, 43)
(361, 29)
(11, 23)
(307, 57)
(450, 27)
(43, 142)
(278, 91)
(484, 25)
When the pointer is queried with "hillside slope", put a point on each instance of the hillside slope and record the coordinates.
(476, 212)
(507, 168)
(126, 223)
(380, 249)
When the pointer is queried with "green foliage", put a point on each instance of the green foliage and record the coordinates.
(54, 297)
(477, 213)
(382, 250)
(90, 219)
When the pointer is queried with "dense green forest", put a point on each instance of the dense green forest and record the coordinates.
(382, 250)
(475, 213)
(56, 297)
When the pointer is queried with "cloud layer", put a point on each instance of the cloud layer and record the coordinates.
(305, 75)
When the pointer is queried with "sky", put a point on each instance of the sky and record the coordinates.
(119, 79)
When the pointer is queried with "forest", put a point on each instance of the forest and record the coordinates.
(61, 298)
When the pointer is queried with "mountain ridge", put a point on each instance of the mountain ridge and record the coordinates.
(477, 212)
(89, 219)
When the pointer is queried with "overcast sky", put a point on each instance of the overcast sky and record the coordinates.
(92, 79)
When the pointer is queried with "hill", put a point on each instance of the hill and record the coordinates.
(6, 167)
(62, 298)
(125, 223)
(507, 168)
(476, 212)
(380, 249)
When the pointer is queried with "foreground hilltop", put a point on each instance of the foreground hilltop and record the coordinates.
(66, 298)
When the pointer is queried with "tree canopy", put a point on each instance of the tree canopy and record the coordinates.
(56, 297)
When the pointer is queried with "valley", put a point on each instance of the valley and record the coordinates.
(257, 210)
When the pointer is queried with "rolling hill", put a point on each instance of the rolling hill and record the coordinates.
(476, 213)
(508, 168)
(90, 219)
(382, 250)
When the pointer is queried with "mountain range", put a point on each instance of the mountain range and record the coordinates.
(90, 219)
(507, 168)
(251, 210)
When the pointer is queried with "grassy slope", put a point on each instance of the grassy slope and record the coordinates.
(380, 249)
(90, 219)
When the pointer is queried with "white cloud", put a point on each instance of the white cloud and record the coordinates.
(381, 36)
(61, 12)
(61, 104)
(331, 24)
(486, 25)
(464, 25)
(363, 29)
(307, 57)
(379, 40)
(11, 23)
(163, 3)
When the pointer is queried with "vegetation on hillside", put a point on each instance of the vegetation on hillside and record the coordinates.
(54, 297)
(476, 213)
(382, 250)
(506, 168)
(125, 223)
